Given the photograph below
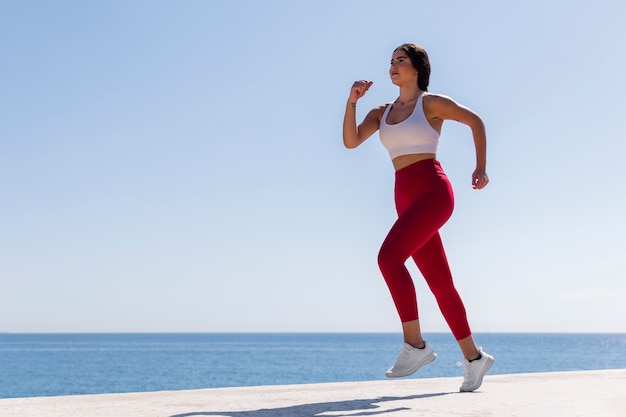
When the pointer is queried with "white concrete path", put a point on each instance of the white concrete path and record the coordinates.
(562, 394)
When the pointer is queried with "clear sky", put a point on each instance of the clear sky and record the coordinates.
(177, 166)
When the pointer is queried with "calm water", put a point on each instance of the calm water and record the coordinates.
(63, 364)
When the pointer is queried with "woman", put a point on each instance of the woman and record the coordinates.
(409, 129)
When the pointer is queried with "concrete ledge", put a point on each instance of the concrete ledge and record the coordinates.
(566, 394)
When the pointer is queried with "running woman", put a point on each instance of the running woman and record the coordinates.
(409, 129)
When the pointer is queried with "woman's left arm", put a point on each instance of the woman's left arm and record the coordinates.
(444, 108)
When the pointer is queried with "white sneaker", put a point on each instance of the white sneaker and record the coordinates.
(410, 360)
(475, 371)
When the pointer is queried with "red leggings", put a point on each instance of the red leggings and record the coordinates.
(424, 202)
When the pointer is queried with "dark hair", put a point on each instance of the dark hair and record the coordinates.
(419, 59)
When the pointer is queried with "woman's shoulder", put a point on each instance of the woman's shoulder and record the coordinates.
(438, 102)
(378, 111)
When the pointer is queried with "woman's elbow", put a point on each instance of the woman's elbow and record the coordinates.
(350, 142)
(476, 123)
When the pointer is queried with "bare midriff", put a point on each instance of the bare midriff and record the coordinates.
(402, 161)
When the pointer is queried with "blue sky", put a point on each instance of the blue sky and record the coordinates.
(178, 166)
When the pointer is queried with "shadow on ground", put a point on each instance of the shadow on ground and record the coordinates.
(354, 408)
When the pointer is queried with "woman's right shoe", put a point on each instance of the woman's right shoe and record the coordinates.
(475, 371)
(410, 360)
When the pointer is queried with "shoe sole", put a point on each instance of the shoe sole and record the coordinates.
(486, 369)
(428, 359)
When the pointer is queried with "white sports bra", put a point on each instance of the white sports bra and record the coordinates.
(413, 135)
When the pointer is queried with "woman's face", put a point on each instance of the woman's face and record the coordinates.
(402, 70)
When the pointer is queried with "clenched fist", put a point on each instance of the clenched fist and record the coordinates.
(358, 90)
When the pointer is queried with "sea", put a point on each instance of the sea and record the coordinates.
(33, 365)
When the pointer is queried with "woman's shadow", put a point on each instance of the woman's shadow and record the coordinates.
(312, 410)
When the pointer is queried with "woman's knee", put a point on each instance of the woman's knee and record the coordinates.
(389, 259)
(385, 255)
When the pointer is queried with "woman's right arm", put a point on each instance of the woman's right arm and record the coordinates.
(354, 135)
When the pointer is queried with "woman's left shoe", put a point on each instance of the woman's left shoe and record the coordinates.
(410, 360)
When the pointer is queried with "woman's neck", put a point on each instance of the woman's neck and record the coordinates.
(408, 94)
